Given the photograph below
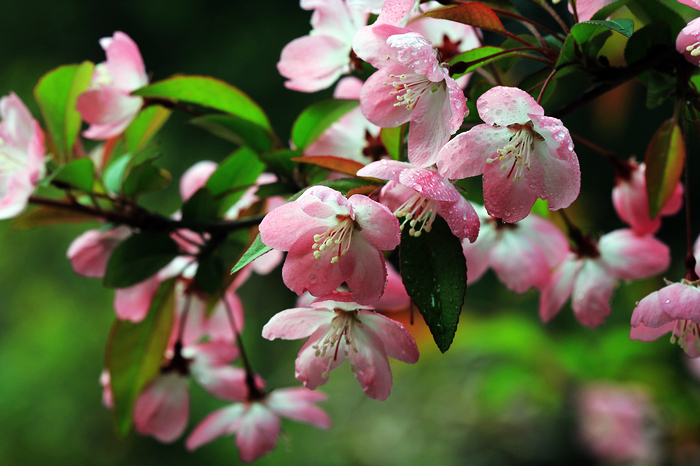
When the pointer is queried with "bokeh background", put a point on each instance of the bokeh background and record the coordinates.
(506, 393)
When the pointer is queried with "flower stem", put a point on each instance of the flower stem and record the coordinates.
(254, 393)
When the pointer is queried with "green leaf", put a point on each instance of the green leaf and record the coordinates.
(239, 169)
(210, 273)
(200, 207)
(607, 10)
(135, 354)
(659, 87)
(434, 271)
(207, 92)
(56, 93)
(474, 14)
(568, 55)
(317, 118)
(650, 39)
(585, 31)
(280, 161)
(114, 173)
(649, 11)
(145, 125)
(138, 258)
(237, 130)
(393, 140)
(79, 173)
(255, 250)
(664, 164)
(145, 178)
(477, 55)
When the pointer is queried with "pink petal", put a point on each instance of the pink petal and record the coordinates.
(226, 382)
(277, 225)
(478, 254)
(429, 184)
(363, 269)
(109, 111)
(379, 226)
(503, 106)
(505, 199)
(632, 257)
(370, 44)
(377, 99)
(196, 177)
(348, 88)
(649, 312)
(415, 52)
(688, 37)
(372, 369)
(395, 296)
(296, 323)
(217, 424)
(89, 252)
(133, 303)
(162, 409)
(465, 155)
(303, 272)
(518, 265)
(396, 12)
(461, 218)
(681, 301)
(384, 169)
(124, 62)
(298, 403)
(592, 292)
(396, 340)
(312, 63)
(644, 333)
(430, 127)
(555, 295)
(257, 432)
(313, 370)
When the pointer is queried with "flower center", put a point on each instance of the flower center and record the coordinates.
(694, 49)
(688, 334)
(342, 329)
(409, 88)
(419, 212)
(518, 150)
(102, 77)
(336, 238)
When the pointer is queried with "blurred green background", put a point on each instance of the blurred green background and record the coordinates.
(503, 394)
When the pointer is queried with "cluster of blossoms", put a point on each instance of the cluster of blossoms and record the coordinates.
(337, 244)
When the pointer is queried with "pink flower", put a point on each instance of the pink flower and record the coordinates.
(674, 308)
(521, 254)
(688, 41)
(522, 154)
(196, 177)
(90, 252)
(338, 329)
(591, 275)
(108, 105)
(632, 203)
(419, 194)
(410, 85)
(332, 240)
(21, 156)
(314, 62)
(256, 422)
(587, 8)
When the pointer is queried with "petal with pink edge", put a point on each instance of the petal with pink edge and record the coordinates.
(222, 422)
(162, 409)
(298, 404)
(503, 106)
(257, 432)
(396, 340)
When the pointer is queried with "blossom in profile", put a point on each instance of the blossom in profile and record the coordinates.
(331, 240)
(21, 156)
(338, 329)
(522, 154)
(90, 252)
(314, 62)
(256, 421)
(107, 105)
(688, 41)
(631, 201)
(591, 273)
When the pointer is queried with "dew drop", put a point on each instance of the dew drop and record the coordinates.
(507, 213)
(668, 301)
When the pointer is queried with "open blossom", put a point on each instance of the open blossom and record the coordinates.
(632, 203)
(21, 156)
(332, 240)
(410, 85)
(522, 154)
(591, 274)
(314, 62)
(256, 422)
(338, 329)
(688, 41)
(108, 105)
(417, 195)
(522, 254)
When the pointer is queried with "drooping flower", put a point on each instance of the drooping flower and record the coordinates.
(256, 422)
(108, 105)
(316, 61)
(410, 85)
(688, 41)
(522, 254)
(338, 329)
(90, 252)
(21, 156)
(590, 275)
(632, 203)
(417, 195)
(522, 154)
(332, 240)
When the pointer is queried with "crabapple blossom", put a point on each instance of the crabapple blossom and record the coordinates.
(419, 194)
(108, 105)
(338, 329)
(332, 240)
(585, 9)
(522, 154)
(409, 85)
(256, 422)
(21, 156)
(90, 252)
(632, 203)
(316, 61)
(590, 275)
(688, 42)
(522, 254)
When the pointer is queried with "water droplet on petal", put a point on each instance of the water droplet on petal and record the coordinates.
(507, 213)
(668, 301)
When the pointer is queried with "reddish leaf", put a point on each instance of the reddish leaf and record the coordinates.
(331, 162)
(365, 190)
(44, 215)
(664, 161)
(473, 14)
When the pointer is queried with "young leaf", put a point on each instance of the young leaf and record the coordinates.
(145, 125)
(135, 354)
(241, 168)
(474, 59)
(207, 92)
(145, 178)
(339, 164)
(317, 118)
(473, 14)
(56, 93)
(138, 258)
(114, 173)
(79, 173)
(237, 130)
(434, 271)
(664, 161)
(255, 250)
